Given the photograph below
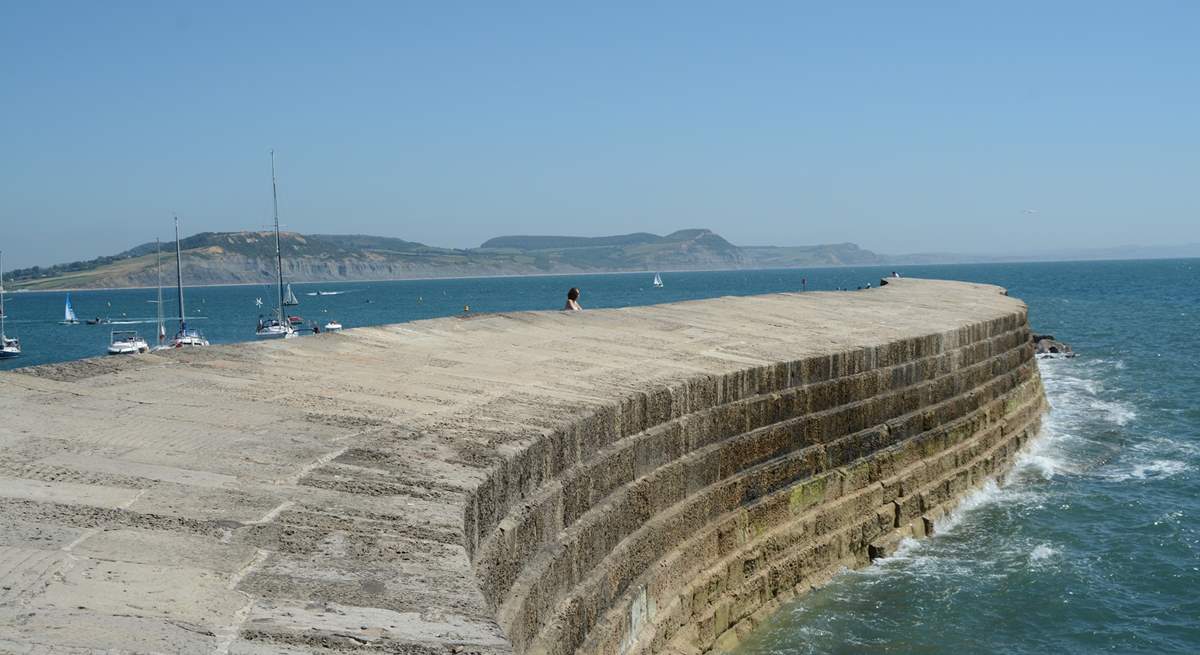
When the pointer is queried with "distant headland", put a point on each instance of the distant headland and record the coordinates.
(249, 257)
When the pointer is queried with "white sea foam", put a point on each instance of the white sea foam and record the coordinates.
(1042, 552)
(1079, 436)
(1159, 468)
(1042, 465)
(1114, 411)
(1167, 446)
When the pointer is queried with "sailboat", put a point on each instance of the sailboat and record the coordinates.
(69, 317)
(277, 327)
(289, 298)
(161, 332)
(9, 347)
(657, 281)
(186, 336)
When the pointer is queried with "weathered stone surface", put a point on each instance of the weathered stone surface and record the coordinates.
(616, 481)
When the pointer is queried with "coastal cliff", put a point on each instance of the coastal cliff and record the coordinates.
(616, 481)
(249, 258)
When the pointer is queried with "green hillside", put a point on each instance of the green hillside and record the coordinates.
(249, 257)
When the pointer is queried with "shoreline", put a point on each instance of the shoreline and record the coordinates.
(16, 291)
(432, 278)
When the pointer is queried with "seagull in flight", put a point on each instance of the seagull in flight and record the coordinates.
(258, 302)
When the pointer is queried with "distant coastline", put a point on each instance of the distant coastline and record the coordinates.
(592, 274)
(245, 258)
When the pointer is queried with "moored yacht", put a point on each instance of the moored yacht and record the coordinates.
(271, 328)
(186, 337)
(277, 327)
(160, 326)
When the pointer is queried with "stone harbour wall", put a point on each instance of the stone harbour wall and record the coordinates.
(675, 519)
(641, 480)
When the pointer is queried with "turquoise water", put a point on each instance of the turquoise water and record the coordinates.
(1091, 545)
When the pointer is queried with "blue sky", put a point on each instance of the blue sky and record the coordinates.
(922, 127)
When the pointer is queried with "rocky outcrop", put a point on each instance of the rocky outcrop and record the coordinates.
(1045, 345)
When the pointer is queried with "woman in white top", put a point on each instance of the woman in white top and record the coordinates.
(573, 300)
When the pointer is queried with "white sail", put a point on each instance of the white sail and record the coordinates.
(69, 312)
(289, 298)
(657, 280)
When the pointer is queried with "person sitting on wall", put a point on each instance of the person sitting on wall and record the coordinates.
(573, 300)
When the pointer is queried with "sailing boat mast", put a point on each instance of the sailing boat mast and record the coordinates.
(278, 253)
(162, 331)
(179, 279)
(1, 298)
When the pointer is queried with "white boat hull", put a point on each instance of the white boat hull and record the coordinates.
(127, 343)
(190, 339)
(128, 348)
(275, 332)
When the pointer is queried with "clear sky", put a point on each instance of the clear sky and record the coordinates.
(904, 127)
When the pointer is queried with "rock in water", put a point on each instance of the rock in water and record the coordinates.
(1045, 345)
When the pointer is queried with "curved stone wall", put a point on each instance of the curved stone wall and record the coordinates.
(675, 518)
(617, 481)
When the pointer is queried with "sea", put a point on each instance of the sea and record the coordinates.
(1090, 545)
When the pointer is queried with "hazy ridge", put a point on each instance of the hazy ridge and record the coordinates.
(248, 257)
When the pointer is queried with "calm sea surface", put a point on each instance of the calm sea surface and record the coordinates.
(1091, 545)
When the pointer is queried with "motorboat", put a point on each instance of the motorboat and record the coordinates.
(9, 346)
(125, 342)
(332, 326)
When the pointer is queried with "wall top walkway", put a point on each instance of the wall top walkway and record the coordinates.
(271, 497)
